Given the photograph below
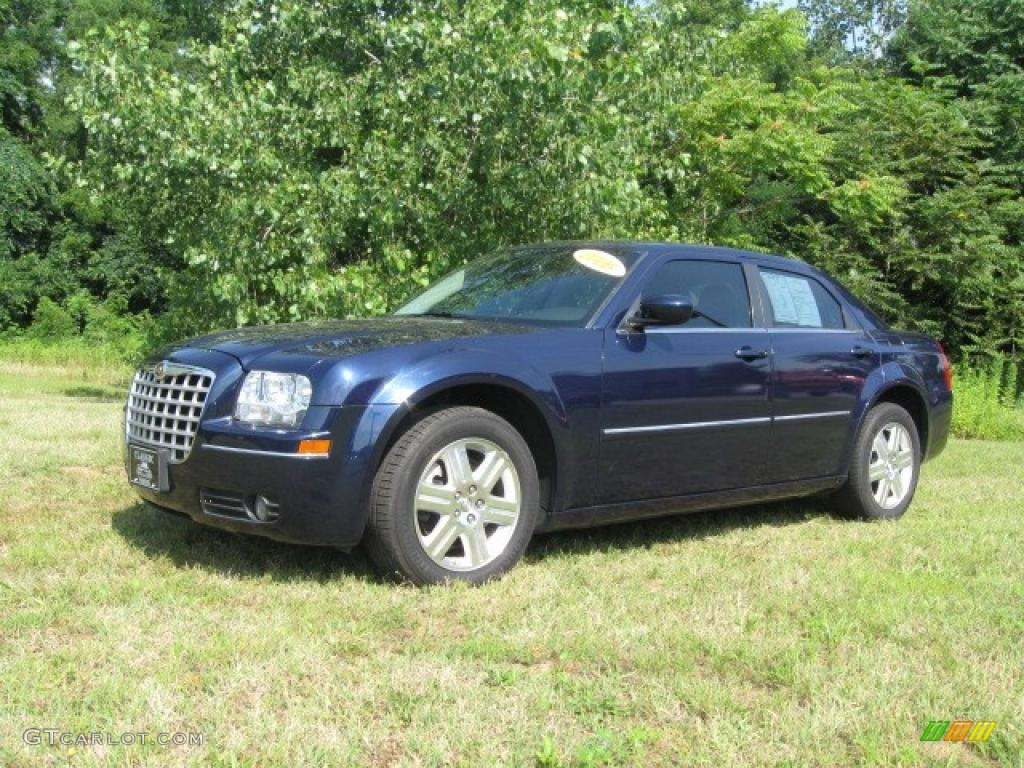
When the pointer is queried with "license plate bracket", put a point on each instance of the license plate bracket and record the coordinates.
(147, 468)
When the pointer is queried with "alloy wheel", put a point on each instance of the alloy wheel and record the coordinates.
(891, 467)
(467, 504)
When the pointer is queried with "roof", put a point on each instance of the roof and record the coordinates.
(684, 249)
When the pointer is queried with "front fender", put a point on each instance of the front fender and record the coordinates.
(459, 367)
(397, 397)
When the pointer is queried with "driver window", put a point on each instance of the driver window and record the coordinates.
(717, 290)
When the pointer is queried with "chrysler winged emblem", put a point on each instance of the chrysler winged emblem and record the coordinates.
(164, 369)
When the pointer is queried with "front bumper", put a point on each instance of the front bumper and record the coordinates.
(319, 500)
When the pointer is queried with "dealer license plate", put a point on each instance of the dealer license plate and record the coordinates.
(147, 468)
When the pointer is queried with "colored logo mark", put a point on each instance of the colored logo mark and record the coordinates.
(958, 730)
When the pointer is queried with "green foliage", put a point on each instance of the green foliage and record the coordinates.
(51, 322)
(413, 141)
(73, 355)
(57, 240)
(970, 53)
(923, 229)
(331, 158)
(77, 328)
(24, 196)
(988, 404)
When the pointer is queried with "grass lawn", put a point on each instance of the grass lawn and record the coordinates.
(773, 635)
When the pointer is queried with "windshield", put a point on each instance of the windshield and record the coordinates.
(546, 285)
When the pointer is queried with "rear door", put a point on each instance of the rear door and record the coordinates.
(822, 359)
(685, 409)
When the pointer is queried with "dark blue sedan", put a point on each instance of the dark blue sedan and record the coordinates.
(537, 388)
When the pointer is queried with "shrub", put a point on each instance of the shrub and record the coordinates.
(52, 322)
(80, 329)
(986, 404)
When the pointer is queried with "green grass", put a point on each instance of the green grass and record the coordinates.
(766, 636)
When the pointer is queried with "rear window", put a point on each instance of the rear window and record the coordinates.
(798, 301)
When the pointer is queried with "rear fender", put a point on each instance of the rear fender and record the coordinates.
(883, 380)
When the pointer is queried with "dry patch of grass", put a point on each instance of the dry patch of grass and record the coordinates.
(772, 635)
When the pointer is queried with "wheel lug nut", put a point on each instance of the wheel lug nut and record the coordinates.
(479, 504)
(458, 495)
(472, 489)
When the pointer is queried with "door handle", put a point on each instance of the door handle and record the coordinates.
(862, 351)
(749, 353)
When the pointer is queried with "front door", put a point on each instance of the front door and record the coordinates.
(685, 409)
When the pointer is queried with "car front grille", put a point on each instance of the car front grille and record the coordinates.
(164, 406)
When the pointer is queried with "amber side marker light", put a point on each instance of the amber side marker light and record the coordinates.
(314, 447)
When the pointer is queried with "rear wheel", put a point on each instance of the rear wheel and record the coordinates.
(456, 498)
(884, 467)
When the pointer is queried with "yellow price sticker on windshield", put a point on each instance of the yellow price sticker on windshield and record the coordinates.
(600, 261)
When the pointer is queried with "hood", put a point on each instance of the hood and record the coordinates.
(342, 338)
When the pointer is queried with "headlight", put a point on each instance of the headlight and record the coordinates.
(273, 399)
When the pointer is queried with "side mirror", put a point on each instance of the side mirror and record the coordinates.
(670, 309)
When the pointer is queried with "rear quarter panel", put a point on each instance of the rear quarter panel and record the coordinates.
(915, 359)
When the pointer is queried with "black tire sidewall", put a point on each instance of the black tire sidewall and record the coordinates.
(446, 427)
(860, 501)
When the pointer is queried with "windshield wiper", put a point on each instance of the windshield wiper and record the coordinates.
(440, 313)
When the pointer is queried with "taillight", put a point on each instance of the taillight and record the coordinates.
(946, 367)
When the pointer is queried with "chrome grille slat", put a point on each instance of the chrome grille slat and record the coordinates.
(166, 430)
(165, 406)
(187, 416)
(165, 400)
(170, 418)
(157, 398)
(168, 422)
(149, 394)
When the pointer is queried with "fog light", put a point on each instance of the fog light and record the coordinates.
(264, 510)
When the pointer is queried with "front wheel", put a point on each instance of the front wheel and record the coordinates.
(455, 499)
(884, 467)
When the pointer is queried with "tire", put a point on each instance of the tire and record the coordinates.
(884, 467)
(456, 499)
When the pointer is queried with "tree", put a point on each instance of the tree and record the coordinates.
(56, 242)
(974, 52)
(843, 29)
(332, 156)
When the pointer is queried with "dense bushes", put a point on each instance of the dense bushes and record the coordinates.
(80, 324)
(58, 240)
